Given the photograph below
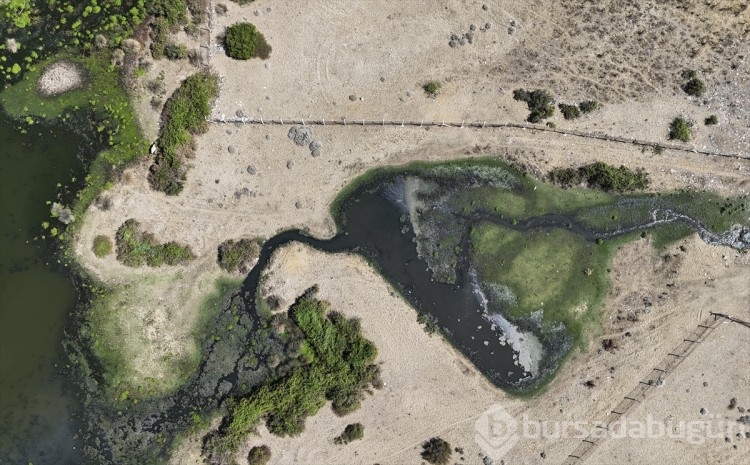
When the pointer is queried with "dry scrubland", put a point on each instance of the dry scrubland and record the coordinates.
(251, 181)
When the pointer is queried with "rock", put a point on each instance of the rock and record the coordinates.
(298, 204)
(267, 65)
(268, 136)
(511, 30)
(488, 461)
(462, 41)
(452, 44)
(472, 27)
(231, 149)
(290, 164)
(488, 25)
(251, 170)
(382, 78)
(469, 36)
(240, 114)
(315, 153)
(703, 411)
(705, 383)
(353, 98)
(256, 12)
(744, 419)
(315, 145)
(741, 409)
(543, 455)
(485, 7)
(301, 135)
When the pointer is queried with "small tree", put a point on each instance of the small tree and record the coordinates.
(436, 451)
(694, 87)
(587, 106)
(569, 111)
(540, 103)
(259, 455)
(351, 433)
(680, 129)
(242, 42)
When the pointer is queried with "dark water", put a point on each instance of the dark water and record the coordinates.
(374, 229)
(34, 298)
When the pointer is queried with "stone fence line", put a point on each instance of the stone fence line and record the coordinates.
(463, 124)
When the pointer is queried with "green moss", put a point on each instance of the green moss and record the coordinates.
(102, 246)
(137, 248)
(100, 108)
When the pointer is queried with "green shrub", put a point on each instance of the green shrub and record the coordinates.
(569, 111)
(173, 12)
(540, 103)
(243, 2)
(183, 115)
(601, 176)
(680, 129)
(694, 87)
(711, 120)
(429, 321)
(136, 248)
(175, 51)
(339, 366)
(658, 150)
(352, 432)
(432, 88)
(102, 246)
(587, 106)
(436, 451)
(242, 42)
(259, 455)
(238, 256)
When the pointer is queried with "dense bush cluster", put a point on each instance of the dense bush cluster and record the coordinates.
(243, 41)
(136, 248)
(569, 111)
(680, 129)
(587, 106)
(436, 451)
(184, 114)
(351, 433)
(540, 102)
(601, 176)
(238, 256)
(339, 367)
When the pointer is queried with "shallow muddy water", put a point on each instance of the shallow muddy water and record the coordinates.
(35, 412)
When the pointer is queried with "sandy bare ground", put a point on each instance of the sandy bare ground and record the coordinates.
(382, 52)
(431, 390)
(60, 77)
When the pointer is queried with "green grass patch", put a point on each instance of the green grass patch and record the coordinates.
(102, 246)
(553, 270)
(340, 367)
(118, 338)
(137, 248)
(183, 116)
